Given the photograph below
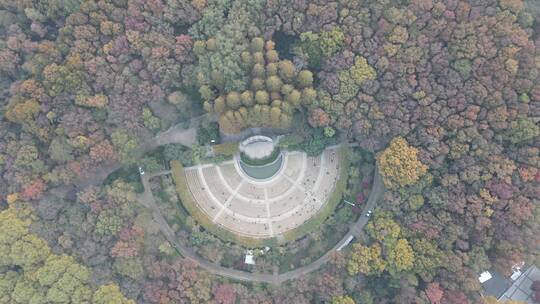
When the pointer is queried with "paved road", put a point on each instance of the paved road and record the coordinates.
(147, 199)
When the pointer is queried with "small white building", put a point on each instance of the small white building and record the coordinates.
(249, 258)
(347, 242)
(516, 271)
(484, 277)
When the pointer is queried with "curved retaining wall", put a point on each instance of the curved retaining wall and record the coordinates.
(258, 172)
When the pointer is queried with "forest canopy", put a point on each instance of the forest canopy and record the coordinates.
(444, 93)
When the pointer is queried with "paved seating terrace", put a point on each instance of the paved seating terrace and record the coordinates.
(294, 165)
(252, 191)
(232, 177)
(279, 188)
(245, 228)
(201, 194)
(250, 208)
(218, 189)
(267, 208)
(311, 172)
(281, 206)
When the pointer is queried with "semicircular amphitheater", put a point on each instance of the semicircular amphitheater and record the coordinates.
(268, 207)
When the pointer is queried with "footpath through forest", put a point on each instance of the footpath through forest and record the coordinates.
(176, 134)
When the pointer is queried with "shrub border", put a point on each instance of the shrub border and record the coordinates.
(189, 203)
(227, 149)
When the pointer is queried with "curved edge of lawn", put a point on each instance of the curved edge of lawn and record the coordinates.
(189, 203)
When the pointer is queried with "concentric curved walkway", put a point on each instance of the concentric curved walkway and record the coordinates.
(147, 199)
(186, 137)
(264, 209)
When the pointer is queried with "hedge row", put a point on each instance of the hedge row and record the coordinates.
(226, 149)
(289, 140)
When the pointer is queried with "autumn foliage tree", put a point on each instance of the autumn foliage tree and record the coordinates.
(343, 300)
(34, 190)
(434, 293)
(399, 164)
(367, 260)
(277, 90)
(390, 249)
(224, 294)
(33, 274)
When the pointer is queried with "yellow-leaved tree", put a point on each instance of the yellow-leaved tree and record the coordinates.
(32, 273)
(399, 164)
(342, 300)
(367, 260)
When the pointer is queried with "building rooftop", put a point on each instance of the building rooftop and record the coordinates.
(494, 283)
(521, 289)
(249, 258)
(484, 276)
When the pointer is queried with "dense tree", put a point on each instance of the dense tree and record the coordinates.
(319, 118)
(60, 150)
(34, 190)
(367, 260)
(224, 294)
(150, 121)
(362, 71)
(331, 41)
(97, 101)
(287, 70)
(399, 164)
(183, 283)
(33, 274)
(521, 130)
(315, 46)
(110, 294)
(434, 293)
(342, 300)
(272, 82)
(87, 82)
(401, 257)
(125, 144)
(227, 37)
(305, 78)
